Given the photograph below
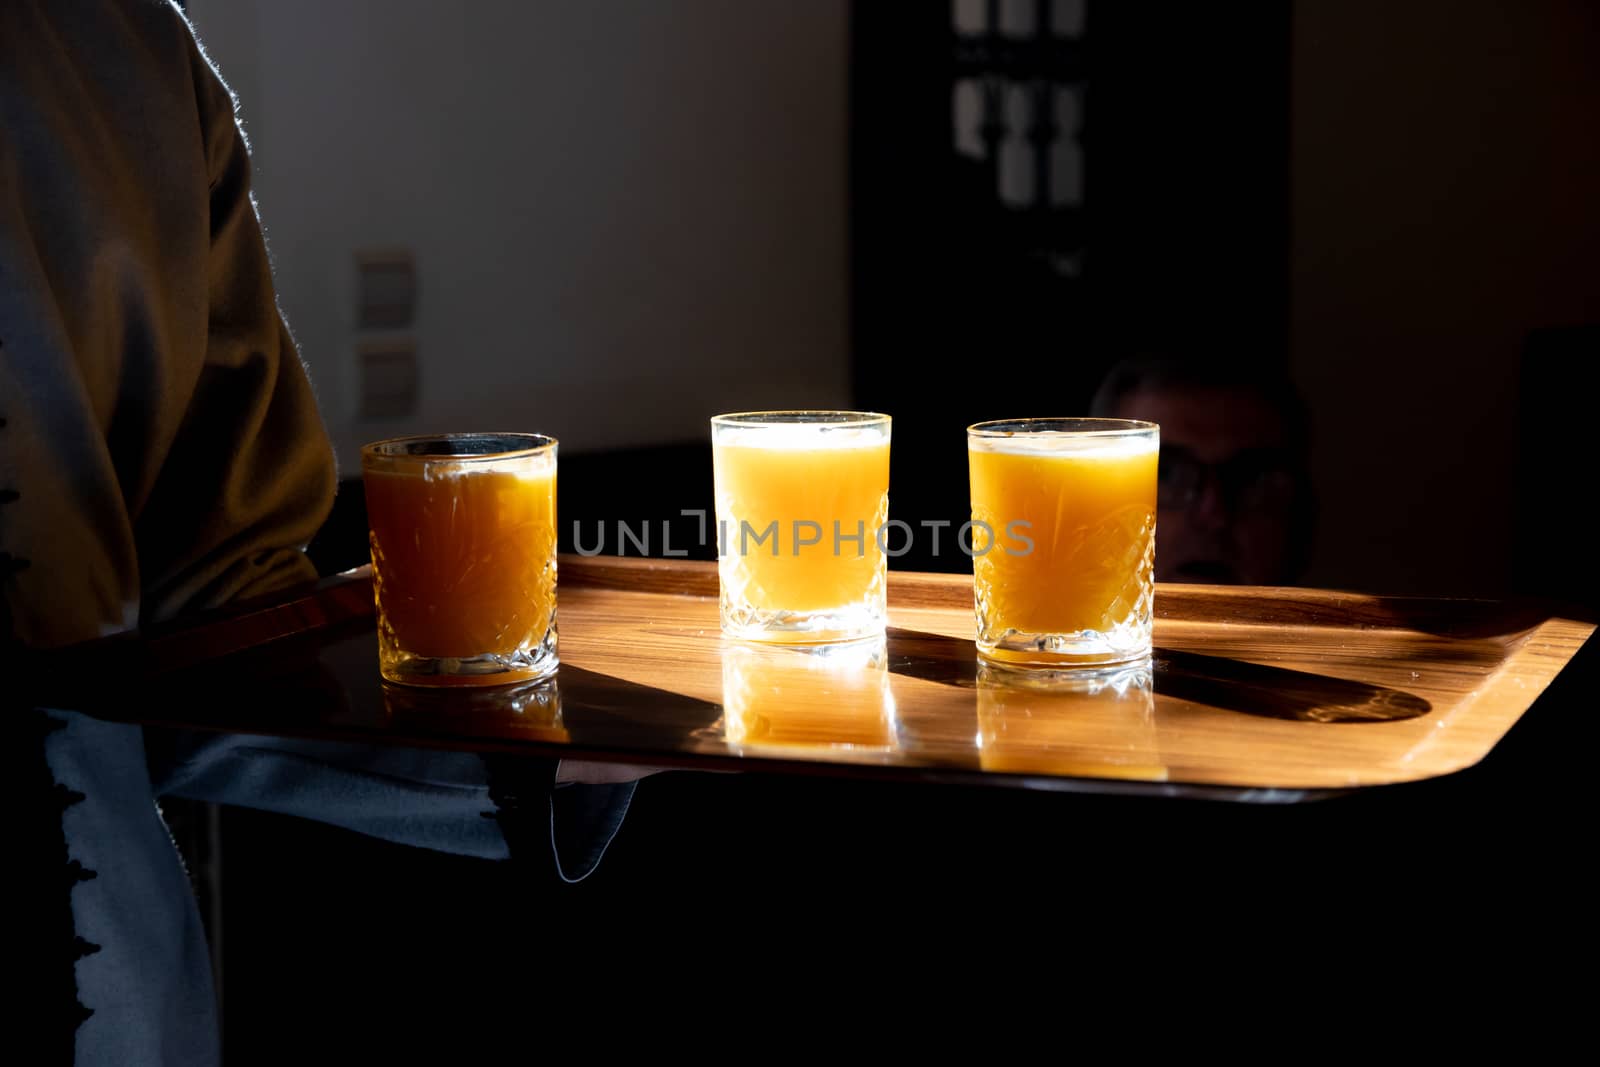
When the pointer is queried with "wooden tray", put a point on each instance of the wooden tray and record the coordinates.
(1257, 694)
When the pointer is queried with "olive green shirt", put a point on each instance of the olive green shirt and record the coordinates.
(161, 449)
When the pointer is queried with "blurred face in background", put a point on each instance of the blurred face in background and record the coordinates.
(1228, 485)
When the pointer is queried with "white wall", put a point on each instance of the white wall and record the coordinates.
(1445, 172)
(627, 214)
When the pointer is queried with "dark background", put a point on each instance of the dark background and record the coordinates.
(1391, 201)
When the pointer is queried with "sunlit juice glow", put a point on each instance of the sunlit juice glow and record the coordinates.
(784, 477)
(1091, 514)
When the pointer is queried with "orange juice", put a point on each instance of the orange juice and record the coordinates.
(799, 511)
(464, 565)
(1073, 520)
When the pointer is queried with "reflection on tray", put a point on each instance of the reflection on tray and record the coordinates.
(825, 699)
(530, 711)
(1092, 724)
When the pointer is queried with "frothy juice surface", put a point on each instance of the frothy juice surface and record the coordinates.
(793, 475)
(1091, 513)
(463, 558)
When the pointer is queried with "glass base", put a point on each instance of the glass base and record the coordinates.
(853, 622)
(1111, 680)
(524, 665)
(1123, 644)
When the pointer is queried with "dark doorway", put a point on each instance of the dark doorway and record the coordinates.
(1041, 189)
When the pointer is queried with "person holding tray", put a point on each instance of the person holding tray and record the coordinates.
(162, 453)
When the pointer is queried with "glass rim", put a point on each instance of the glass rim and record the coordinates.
(1066, 426)
(803, 417)
(509, 446)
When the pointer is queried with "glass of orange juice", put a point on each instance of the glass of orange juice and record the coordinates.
(802, 498)
(463, 534)
(1063, 540)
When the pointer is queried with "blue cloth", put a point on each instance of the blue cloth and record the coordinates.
(149, 984)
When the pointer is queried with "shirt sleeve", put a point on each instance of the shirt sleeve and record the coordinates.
(251, 475)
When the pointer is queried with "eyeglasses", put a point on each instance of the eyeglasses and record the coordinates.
(1256, 479)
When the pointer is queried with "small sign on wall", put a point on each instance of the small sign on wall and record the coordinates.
(386, 288)
(388, 378)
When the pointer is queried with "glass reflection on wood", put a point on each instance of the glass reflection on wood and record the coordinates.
(531, 710)
(1097, 724)
(788, 700)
